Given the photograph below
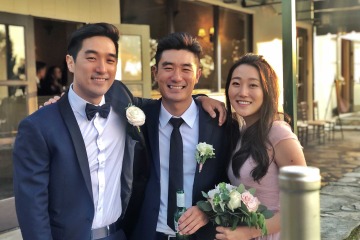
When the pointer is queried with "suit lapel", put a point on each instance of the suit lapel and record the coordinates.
(78, 141)
(120, 100)
(205, 135)
(152, 125)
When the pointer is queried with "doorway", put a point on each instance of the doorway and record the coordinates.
(23, 41)
(17, 100)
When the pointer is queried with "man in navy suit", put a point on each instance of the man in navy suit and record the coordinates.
(177, 70)
(80, 174)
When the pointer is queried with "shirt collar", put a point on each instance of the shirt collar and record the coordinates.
(78, 104)
(189, 116)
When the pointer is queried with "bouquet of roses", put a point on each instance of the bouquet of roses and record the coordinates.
(231, 206)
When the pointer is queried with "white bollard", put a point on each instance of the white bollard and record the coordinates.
(300, 203)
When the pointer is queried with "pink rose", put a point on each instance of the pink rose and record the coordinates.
(251, 202)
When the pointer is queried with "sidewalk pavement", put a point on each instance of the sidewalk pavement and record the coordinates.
(339, 164)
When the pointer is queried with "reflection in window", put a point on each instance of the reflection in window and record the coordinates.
(129, 58)
(12, 110)
(3, 63)
(12, 57)
(17, 41)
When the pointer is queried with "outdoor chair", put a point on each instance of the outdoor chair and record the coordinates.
(317, 127)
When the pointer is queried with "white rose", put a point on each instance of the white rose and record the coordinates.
(235, 200)
(135, 116)
(204, 148)
(229, 187)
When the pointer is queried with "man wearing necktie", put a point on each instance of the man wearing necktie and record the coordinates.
(78, 163)
(175, 124)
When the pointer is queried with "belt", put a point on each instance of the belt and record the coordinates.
(163, 236)
(106, 231)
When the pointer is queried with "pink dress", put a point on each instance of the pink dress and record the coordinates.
(268, 190)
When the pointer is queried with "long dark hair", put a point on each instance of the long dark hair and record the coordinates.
(255, 139)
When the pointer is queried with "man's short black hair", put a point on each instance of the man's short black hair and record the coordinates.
(178, 41)
(92, 30)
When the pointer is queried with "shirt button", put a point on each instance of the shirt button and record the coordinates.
(99, 143)
(101, 157)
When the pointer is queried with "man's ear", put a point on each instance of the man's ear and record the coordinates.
(70, 63)
(198, 75)
(154, 72)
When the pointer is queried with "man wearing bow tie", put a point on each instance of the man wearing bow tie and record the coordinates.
(67, 156)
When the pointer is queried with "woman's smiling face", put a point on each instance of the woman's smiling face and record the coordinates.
(245, 93)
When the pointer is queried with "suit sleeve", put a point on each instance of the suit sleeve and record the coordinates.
(143, 102)
(31, 177)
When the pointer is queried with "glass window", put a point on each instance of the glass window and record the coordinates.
(129, 58)
(12, 111)
(3, 53)
(233, 42)
(6, 169)
(17, 57)
(12, 58)
(195, 18)
(136, 89)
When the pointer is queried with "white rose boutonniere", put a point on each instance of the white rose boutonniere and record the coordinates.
(204, 151)
(135, 116)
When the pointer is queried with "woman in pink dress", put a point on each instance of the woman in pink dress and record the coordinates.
(261, 142)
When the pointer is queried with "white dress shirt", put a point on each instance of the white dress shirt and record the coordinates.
(105, 142)
(190, 134)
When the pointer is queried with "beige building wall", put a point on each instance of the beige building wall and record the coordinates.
(268, 42)
(70, 10)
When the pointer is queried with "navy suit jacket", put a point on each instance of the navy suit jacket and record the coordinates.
(52, 183)
(212, 172)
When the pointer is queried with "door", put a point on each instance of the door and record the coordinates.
(301, 75)
(17, 100)
(347, 71)
(134, 59)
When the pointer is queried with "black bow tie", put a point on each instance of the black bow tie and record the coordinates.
(91, 110)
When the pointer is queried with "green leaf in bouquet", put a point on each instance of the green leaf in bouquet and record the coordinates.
(222, 205)
(241, 188)
(267, 214)
(205, 195)
(261, 208)
(252, 191)
(244, 209)
(222, 186)
(261, 220)
(218, 220)
(204, 206)
(253, 218)
(216, 199)
(225, 220)
(225, 197)
(218, 209)
(235, 223)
